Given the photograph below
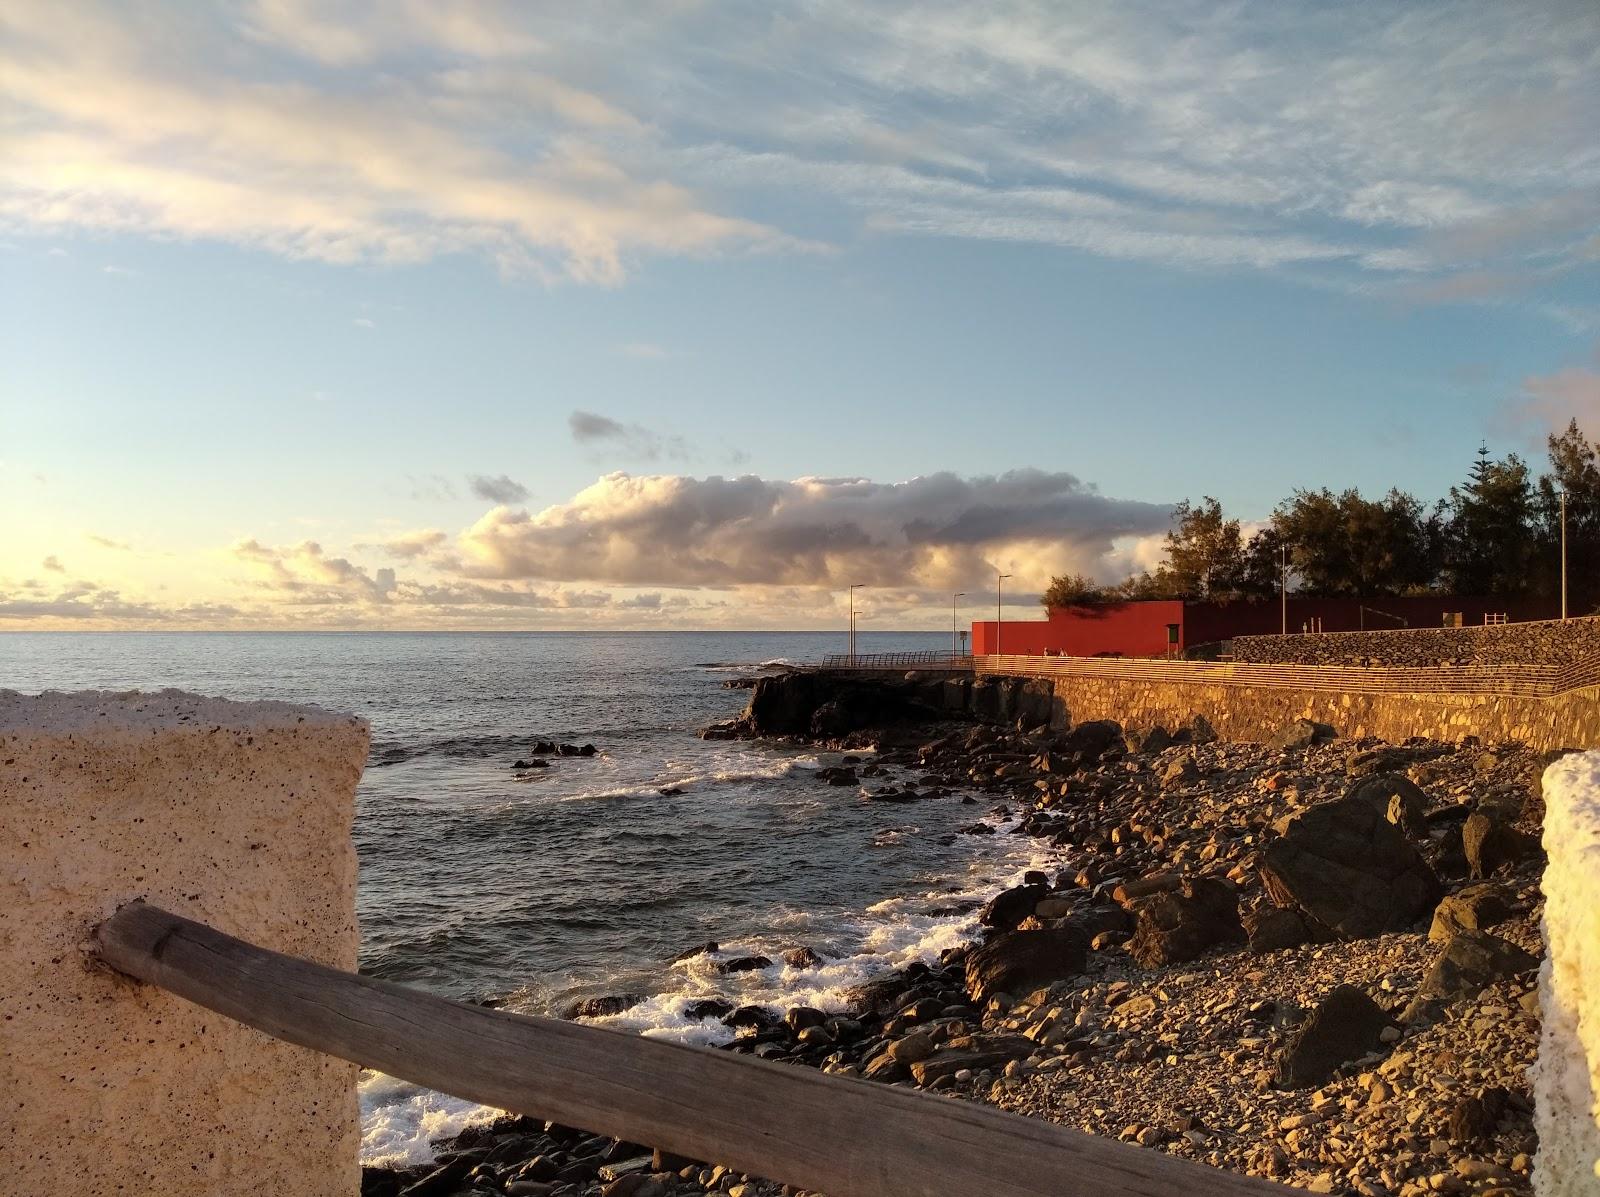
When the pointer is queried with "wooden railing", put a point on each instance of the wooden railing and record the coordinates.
(1535, 681)
(798, 1126)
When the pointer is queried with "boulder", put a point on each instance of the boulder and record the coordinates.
(1180, 774)
(1199, 730)
(603, 1007)
(1151, 740)
(1009, 907)
(1302, 733)
(801, 958)
(1489, 843)
(1173, 927)
(1031, 701)
(1345, 1026)
(1470, 962)
(1397, 798)
(1022, 961)
(1471, 908)
(1088, 742)
(1272, 929)
(1351, 872)
(708, 1008)
(744, 964)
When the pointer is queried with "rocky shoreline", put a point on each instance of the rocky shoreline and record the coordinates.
(1312, 960)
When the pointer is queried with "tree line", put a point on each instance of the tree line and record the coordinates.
(1497, 534)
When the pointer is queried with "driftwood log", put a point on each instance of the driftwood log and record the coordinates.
(844, 1137)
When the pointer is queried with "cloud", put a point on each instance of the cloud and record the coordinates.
(53, 563)
(87, 603)
(105, 542)
(364, 322)
(644, 351)
(635, 440)
(304, 574)
(431, 488)
(499, 489)
(1360, 146)
(409, 546)
(934, 533)
(1550, 401)
(170, 126)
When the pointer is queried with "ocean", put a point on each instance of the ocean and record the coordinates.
(538, 888)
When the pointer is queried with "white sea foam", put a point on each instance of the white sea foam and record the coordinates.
(400, 1120)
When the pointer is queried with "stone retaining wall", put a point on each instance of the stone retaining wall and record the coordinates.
(1570, 720)
(234, 814)
(1545, 642)
(1566, 1078)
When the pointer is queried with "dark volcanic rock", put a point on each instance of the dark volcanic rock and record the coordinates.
(1471, 961)
(698, 950)
(1345, 1026)
(1022, 961)
(1396, 798)
(744, 964)
(708, 1008)
(1181, 925)
(1349, 870)
(1489, 843)
(601, 1007)
(1302, 733)
(801, 958)
(1272, 928)
(1009, 907)
(1471, 908)
(1088, 742)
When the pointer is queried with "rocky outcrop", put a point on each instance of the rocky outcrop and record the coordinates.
(1349, 871)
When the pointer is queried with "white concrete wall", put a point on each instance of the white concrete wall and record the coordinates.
(235, 814)
(1566, 1078)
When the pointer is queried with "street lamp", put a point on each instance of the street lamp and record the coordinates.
(953, 598)
(1283, 563)
(853, 590)
(1563, 552)
(999, 577)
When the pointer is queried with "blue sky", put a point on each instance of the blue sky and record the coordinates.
(692, 314)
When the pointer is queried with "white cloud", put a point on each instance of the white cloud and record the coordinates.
(1375, 142)
(119, 128)
(936, 533)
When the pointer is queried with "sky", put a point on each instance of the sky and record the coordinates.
(692, 315)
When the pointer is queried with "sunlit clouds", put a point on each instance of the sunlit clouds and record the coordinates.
(658, 550)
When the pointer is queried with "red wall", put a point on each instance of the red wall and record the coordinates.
(1123, 629)
(1139, 629)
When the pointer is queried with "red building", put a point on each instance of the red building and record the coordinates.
(1166, 627)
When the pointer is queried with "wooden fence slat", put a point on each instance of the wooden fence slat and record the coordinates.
(845, 1137)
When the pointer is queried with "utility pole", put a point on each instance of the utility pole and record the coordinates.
(1563, 552)
(999, 577)
(853, 590)
(1283, 562)
(953, 598)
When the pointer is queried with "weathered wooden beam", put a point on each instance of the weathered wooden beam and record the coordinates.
(847, 1138)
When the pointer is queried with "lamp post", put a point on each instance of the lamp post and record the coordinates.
(999, 577)
(953, 598)
(1283, 585)
(1563, 552)
(853, 590)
